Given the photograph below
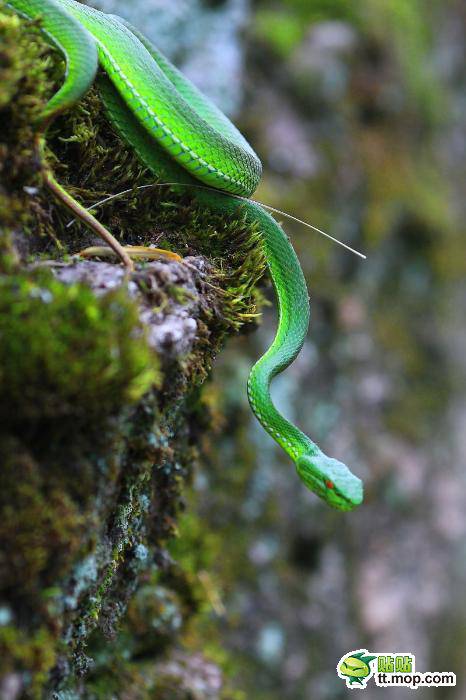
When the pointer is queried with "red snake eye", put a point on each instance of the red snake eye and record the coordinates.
(329, 484)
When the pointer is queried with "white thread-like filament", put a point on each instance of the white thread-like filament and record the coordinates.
(227, 194)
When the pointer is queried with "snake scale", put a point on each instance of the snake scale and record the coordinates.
(180, 135)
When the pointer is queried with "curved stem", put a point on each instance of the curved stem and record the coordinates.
(75, 207)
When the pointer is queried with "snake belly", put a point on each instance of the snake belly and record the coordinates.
(179, 134)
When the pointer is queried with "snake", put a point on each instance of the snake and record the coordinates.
(179, 134)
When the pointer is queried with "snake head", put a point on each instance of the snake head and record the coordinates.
(331, 480)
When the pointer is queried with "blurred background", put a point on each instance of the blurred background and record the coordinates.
(357, 110)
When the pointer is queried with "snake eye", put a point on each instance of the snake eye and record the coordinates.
(329, 484)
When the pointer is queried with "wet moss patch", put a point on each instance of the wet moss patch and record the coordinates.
(65, 353)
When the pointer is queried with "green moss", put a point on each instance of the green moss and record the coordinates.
(408, 26)
(284, 25)
(24, 86)
(65, 353)
(282, 29)
(196, 551)
(35, 653)
(44, 529)
(35, 511)
(103, 166)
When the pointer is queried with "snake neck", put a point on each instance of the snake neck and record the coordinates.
(293, 441)
(293, 323)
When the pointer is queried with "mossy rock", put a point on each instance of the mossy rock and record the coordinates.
(99, 431)
(64, 353)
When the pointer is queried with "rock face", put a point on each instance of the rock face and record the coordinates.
(101, 416)
(98, 434)
(171, 329)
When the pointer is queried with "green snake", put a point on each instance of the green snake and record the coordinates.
(180, 135)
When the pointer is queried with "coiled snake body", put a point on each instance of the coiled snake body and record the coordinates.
(182, 136)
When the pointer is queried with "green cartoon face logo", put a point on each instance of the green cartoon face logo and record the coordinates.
(355, 668)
